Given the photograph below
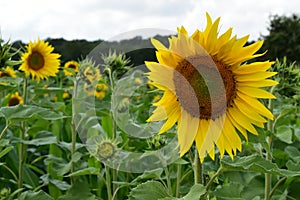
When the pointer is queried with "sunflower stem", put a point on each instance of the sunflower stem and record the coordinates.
(73, 131)
(268, 177)
(197, 169)
(108, 182)
(114, 125)
(22, 152)
(168, 180)
(4, 130)
(210, 182)
(178, 180)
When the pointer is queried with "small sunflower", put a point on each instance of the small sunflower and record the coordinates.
(209, 89)
(71, 65)
(15, 99)
(100, 90)
(92, 74)
(8, 72)
(39, 61)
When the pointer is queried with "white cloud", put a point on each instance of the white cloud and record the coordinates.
(100, 19)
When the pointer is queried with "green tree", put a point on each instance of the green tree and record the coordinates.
(283, 38)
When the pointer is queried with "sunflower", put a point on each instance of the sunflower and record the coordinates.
(209, 89)
(8, 72)
(39, 61)
(71, 65)
(92, 74)
(100, 91)
(15, 99)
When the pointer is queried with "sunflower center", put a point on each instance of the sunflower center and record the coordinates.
(36, 61)
(204, 86)
(14, 101)
(72, 66)
(5, 74)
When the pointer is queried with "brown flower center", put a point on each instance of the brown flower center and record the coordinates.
(72, 66)
(4, 74)
(14, 101)
(204, 86)
(36, 61)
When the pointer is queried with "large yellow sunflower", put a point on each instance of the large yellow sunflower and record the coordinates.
(39, 61)
(71, 65)
(209, 89)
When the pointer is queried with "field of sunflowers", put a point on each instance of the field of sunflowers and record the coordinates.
(204, 121)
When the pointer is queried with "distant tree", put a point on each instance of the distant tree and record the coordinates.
(284, 38)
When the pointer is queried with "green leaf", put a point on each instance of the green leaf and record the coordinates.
(40, 141)
(86, 171)
(23, 112)
(5, 151)
(229, 191)
(153, 174)
(148, 191)
(41, 195)
(195, 192)
(293, 153)
(285, 134)
(252, 163)
(79, 191)
(106, 122)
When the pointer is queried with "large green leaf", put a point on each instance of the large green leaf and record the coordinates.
(41, 195)
(285, 134)
(255, 163)
(229, 191)
(252, 163)
(79, 191)
(22, 112)
(148, 191)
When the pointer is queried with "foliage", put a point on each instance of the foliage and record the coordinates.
(283, 39)
(60, 158)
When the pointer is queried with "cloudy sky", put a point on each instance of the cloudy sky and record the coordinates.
(107, 19)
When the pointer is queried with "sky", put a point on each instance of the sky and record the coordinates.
(28, 20)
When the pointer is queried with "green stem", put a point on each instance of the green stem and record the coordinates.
(210, 182)
(268, 177)
(178, 180)
(168, 180)
(4, 130)
(276, 186)
(114, 125)
(73, 132)
(197, 169)
(22, 151)
(73, 150)
(108, 182)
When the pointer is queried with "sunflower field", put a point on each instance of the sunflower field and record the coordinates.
(206, 120)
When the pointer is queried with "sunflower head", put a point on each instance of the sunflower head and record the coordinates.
(15, 99)
(39, 61)
(210, 89)
(7, 72)
(71, 67)
(100, 90)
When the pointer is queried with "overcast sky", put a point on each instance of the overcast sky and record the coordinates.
(105, 19)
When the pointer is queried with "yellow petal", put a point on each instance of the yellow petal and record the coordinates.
(253, 67)
(248, 111)
(255, 76)
(261, 83)
(240, 119)
(187, 131)
(157, 44)
(173, 117)
(255, 92)
(255, 105)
